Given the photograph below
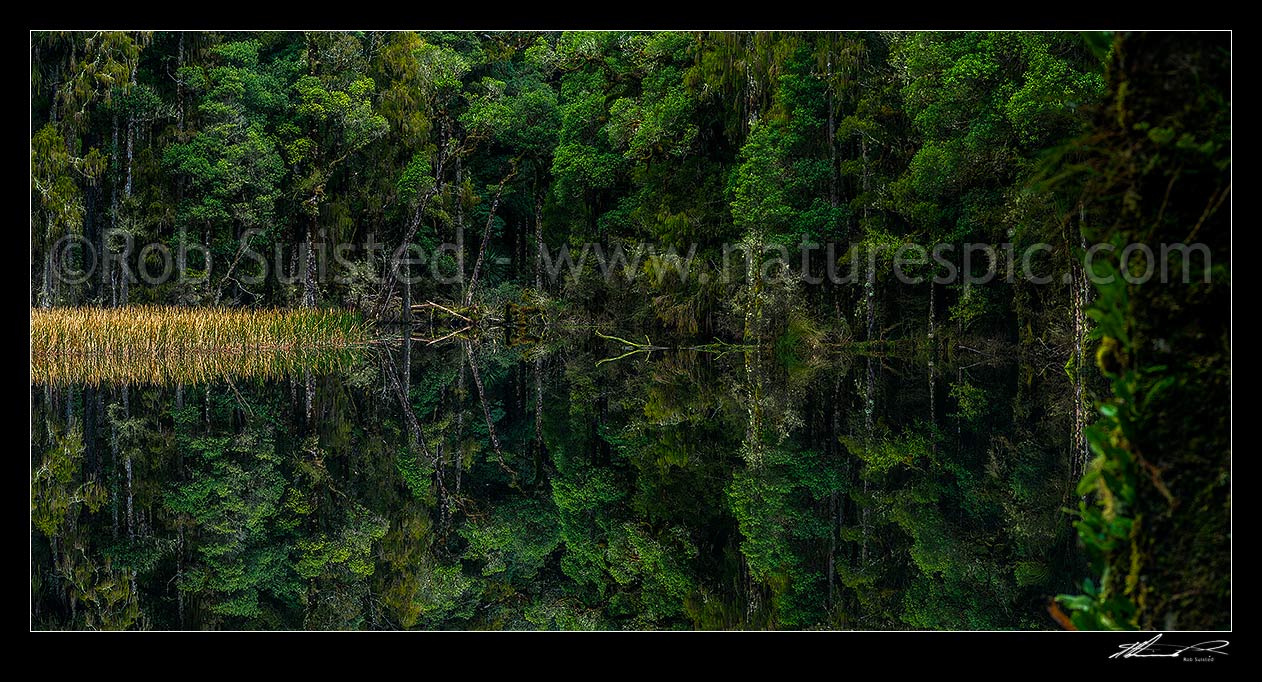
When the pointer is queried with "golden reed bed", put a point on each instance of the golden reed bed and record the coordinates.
(171, 345)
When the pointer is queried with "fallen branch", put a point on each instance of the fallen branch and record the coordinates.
(241, 401)
(648, 345)
(626, 354)
(722, 347)
(245, 244)
(486, 412)
(430, 342)
(449, 311)
(486, 234)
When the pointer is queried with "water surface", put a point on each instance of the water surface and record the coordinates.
(473, 485)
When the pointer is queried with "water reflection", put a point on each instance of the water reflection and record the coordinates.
(471, 484)
(201, 367)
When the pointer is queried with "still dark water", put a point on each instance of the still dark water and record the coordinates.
(476, 485)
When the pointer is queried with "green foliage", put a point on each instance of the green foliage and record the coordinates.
(236, 496)
(972, 400)
(515, 541)
(775, 503)
(234, 164)
(416, 473)
(56, 495)
(350, 549)
(767, 471)
(1160, 442)
(883, 453)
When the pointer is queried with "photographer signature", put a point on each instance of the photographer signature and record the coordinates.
(1152, 649)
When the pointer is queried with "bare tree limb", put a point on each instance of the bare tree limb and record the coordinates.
(486, 234)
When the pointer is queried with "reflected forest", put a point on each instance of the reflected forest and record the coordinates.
(630, 331)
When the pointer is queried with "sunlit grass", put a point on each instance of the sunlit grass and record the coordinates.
(168, 345)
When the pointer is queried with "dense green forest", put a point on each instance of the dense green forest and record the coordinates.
(908, 444)
(283, 141)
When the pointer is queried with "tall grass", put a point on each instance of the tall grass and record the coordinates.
(166, 345)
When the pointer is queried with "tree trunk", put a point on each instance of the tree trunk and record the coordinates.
(870, 286)
(407, 356)
(181, 255)
(834, 172)
(933, 355)
(407, 299)
(179, 88)
(123, 275)
(486, 236)
(90, 228)
(308, 395)
(869, 409)
(69, 407)
(460, 422)
(387, 286)
(932, 313)
(460, 223)
(89, 431)
(114, 478)
(486, 413)
(46, 295)
(538, 416)
(1079, 297)
(839, 520)
(131, 516)
(309, 269)
(123, 281)
(179, 566)
(131, 142)
(539, 241)
(107, 269)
